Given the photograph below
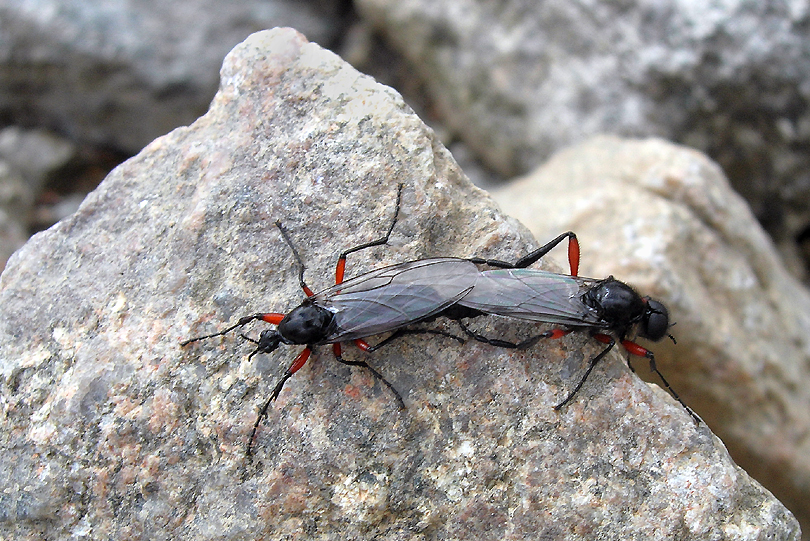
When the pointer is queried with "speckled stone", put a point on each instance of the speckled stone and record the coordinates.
(664, 218)
(113, 431)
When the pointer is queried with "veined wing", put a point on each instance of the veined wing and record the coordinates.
(389, 298)
(533, 295)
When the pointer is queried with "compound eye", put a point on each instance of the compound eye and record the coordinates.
(656, 321)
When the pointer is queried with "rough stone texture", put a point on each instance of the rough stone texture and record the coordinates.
(119, 74)
(112, 431)
(664, 218)
(517, 80)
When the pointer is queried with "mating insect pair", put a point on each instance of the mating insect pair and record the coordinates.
(393, 298)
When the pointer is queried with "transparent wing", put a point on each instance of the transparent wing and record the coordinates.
(533, 295)
(389, 298)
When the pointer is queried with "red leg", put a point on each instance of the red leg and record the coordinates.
(299, 361)
(524, 262)
(340, 270)
(557, 333)
(573, 255)
(273, 318)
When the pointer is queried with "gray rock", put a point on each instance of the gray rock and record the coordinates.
(664, 218)
(36, 154)
(518, 80)
(15, 202)
(119, 74)
(27, 159)
(111, 430)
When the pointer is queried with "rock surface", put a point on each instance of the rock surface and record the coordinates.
(518, 80)
(112, 431)
(664, 218)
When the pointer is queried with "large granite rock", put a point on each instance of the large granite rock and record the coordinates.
(664, 218)
(112, 430)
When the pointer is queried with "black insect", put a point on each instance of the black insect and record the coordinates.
(384, 300)
(393, 298)
(609, 309)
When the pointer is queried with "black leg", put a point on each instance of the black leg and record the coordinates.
(525, 344)
(370, 349)
(376, 374)
(587, 373)
(296, 365)
(543, 250)
(301, 266)
(340, 268)
(341, 265)
(668, 387)
(525, 261)
(384, 239)
(263, 411)
(242, 321)
(399, 333)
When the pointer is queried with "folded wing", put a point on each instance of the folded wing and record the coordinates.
(386, 299)
(533, 295)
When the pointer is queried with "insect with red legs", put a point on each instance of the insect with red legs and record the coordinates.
(383, 300)
(393, 298)
(608, 309)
